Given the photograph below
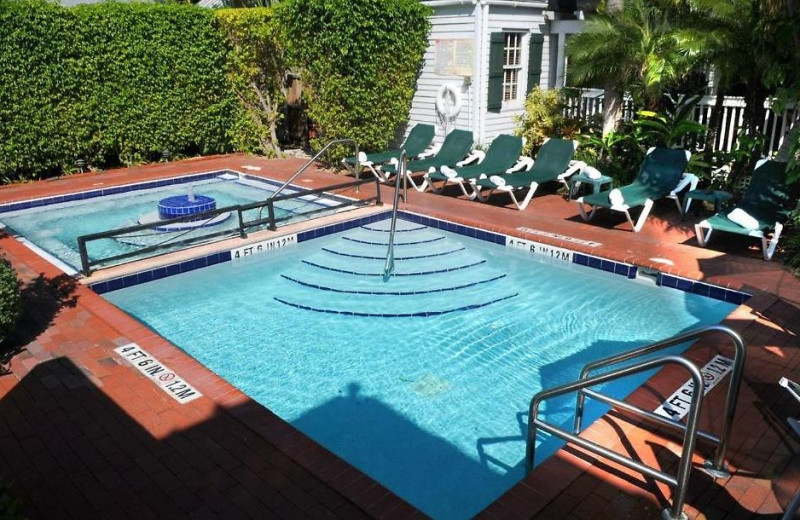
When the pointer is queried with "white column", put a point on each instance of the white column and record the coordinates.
(560, 60)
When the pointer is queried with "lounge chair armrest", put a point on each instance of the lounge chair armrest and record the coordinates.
(433, 150)
(688, 179)
(573, 168)
(523, 164)
(476, 155)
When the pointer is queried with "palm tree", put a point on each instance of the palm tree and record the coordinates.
(635, 49)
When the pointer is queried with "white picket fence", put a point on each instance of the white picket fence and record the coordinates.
(775, 127)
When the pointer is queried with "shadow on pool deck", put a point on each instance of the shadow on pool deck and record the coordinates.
(74, 453)
(42, 299)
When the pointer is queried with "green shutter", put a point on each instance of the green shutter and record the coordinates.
(535, 61)
(496, 46)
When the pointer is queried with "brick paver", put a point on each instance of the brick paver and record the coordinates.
(85, 436)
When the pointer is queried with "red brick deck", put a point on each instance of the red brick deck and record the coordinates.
(83, 435)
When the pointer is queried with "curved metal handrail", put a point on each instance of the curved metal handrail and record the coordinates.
(716, 466)
(317, 156)
(679, 481)
(388, 268)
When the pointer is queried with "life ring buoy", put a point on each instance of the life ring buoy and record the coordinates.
(448, 101)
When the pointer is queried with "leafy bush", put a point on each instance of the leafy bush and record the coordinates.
(109, 83)
(10, 299)
(256, 70)
(544, 117)
(618, 154)
(361, 59)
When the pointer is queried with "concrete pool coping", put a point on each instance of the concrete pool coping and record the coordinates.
(566, 484)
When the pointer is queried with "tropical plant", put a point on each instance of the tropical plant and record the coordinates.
(672, 127)
(543, 117)
(635, 48)
(617, 153)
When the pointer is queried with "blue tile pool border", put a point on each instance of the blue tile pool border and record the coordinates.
(595, 262)
(702, 288)
(138, 186)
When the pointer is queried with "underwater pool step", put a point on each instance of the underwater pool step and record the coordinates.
(380, 238)
(388, 314)
(367, 256)
(378, 271)
(392, 290)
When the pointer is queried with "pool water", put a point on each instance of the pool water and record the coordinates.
(55, 228)
(422, 382)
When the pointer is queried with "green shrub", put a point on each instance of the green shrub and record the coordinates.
(110, 83)
(10, 299)
(256, 69)
(544, 117)
(361, 59)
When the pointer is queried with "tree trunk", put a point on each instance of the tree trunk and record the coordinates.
(612, 107)
(612, 99)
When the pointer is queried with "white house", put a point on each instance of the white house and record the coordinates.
(483, 57)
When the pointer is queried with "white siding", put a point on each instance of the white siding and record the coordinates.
(531, 21)
(450, 22)
(458, 21)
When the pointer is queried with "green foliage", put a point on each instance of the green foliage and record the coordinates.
(673, 127)
(637, 48)
(544, 117)
(617, 154)
(109, 83)
(361, 59)
(256, 70)
(10, 300)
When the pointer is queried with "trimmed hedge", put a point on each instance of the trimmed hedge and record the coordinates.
(118, 83)
(361, 60)
(109, 83)
(10, 299)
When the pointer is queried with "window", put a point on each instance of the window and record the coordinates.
(512, 64)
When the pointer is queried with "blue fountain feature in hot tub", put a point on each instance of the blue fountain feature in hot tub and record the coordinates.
(178, 206)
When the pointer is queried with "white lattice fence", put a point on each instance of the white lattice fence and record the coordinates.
(775, 127)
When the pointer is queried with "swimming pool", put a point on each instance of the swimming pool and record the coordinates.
(423, 382)
(54, 225)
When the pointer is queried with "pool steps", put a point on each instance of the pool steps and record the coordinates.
(591, 261)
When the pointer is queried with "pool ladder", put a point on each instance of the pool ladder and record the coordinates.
(388, 268)
(715, 467)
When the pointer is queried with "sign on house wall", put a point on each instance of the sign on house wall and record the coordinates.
(454, 57)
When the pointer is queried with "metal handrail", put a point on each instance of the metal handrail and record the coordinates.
(241, 229)
(313, 159)
(388, 268)
(716, 466)
(679, 481)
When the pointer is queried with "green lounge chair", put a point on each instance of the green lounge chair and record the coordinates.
(455, 146)
(501, 156)
(418, 140)
(661, 175)
(552, 164)
(765, 205)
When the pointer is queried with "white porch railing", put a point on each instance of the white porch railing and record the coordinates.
(775, 126)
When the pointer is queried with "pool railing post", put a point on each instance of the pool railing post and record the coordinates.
(85, 268)
(239, 212)
(271, 213)
(378, 201)
(358, 168)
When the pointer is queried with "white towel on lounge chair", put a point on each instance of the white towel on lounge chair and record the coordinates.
(591, 172)
(741, 217)
(449, 172)
(498, 180)
(615, 197)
